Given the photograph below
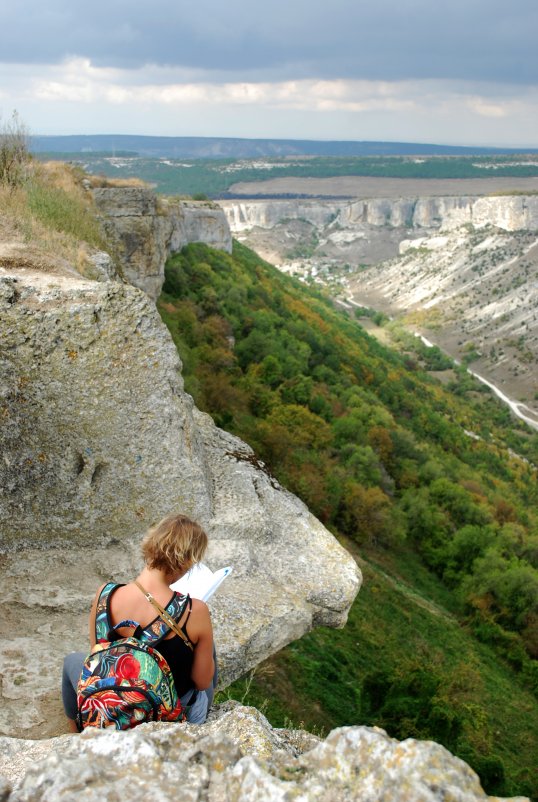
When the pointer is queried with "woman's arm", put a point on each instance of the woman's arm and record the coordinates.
(201, 632)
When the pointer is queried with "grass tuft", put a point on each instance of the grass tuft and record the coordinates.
(52, 212)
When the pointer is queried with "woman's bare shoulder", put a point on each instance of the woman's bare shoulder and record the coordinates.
(200, 607)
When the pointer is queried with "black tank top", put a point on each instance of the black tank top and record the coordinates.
(180, 659)
(174, 650)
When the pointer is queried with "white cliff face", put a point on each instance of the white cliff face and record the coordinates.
(244, 215)
(469, 263)
(197, 221)
(508, 213)
(511, 213)
(306, 236)
(99, 441)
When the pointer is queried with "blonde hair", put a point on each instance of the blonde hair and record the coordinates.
(174, 544)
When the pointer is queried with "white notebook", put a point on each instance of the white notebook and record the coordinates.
(201, 582)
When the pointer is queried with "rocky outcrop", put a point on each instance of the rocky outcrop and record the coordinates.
(145, 230)
(243, 215)
(305, 237)
(235, 757)
(98, 441)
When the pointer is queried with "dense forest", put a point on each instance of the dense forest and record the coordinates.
(433, 488)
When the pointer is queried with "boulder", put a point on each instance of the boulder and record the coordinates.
(99, 441)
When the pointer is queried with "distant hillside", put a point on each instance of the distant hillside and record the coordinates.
(193, 147)
(300, 175)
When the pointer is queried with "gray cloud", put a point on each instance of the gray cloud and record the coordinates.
(479, 40)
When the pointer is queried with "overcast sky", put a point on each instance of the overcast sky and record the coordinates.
(460, 72)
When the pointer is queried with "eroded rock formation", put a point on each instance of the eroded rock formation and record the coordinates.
(366, 230)
(146, 229)
(99, 440)
(235, 757)
(510, 212)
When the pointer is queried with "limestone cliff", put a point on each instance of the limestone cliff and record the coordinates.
(98, 440)
(466, 267)
(145, 230)
(358, 216)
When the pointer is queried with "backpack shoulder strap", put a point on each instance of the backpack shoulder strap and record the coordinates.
(168, 617)
(103, 625)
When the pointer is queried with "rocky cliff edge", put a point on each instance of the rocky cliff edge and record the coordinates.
(235, 756)
(98, 440)
(145, 229)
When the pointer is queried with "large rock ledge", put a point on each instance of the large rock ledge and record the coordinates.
(145, 230)
(99, 440)
(235, 756)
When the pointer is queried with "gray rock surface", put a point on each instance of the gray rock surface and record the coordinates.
(146, 229)
(236, 756)
(98, 441)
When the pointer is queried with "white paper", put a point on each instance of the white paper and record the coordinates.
(201, 582)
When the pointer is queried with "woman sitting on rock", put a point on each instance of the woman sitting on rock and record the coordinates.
(147, 605)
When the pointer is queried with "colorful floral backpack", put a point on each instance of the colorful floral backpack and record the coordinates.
(126, 682)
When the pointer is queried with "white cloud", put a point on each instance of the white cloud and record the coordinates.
(79, 80)
(62, 98)
(487, 109)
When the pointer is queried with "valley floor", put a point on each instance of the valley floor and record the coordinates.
(519, 387)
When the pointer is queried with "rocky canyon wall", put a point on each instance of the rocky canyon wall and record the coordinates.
(510, 212)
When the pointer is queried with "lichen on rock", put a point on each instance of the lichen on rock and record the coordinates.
(236, 756)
